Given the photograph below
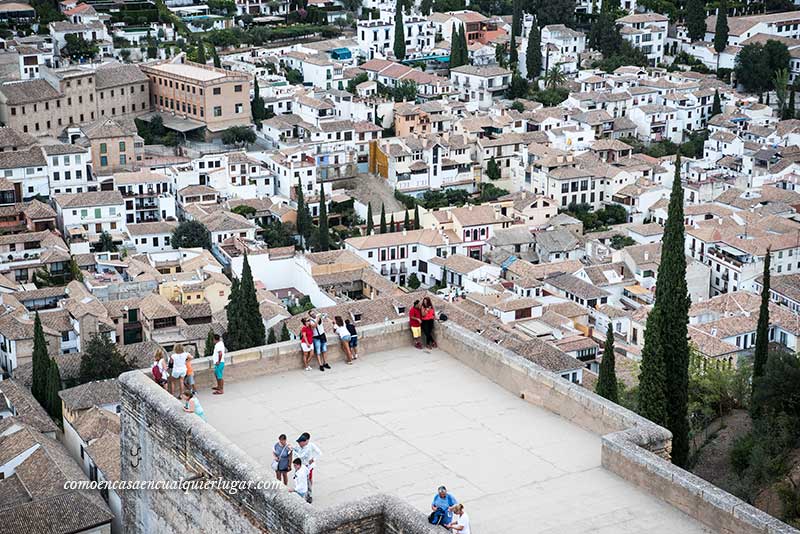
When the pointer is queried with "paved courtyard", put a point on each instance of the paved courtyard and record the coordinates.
(404, 422)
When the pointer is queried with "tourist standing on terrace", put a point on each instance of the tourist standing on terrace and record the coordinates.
(306, 343)
(189, 380)
(353, 338)
(282, 459)
(344, 338)
(178, 360)
(461, 523)
(219, 364)
(317, 323)
(428, 316)
(442, 507)
(191, 404)
(308, 453)
(415, 321)
(159, 369)
(302, 482)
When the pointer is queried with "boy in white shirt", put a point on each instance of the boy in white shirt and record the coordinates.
(307, 453)
(300, 478)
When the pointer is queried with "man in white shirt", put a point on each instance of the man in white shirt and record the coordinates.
(219, 364)
(307, 453)
(301, 482)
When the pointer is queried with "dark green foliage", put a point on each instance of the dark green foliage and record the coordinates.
(513, 53)
(245, 325)
(304, 224)
(721, 29)
(407, 221)
(78, 48)
(595, 219)
(370, 222)
(533, 53)
(74, 270)
(416, 217)
(518, 87)
(257, 108)
(490, 193)
(285, 335)
(761, 351)
(554, 12)
(355, 81)
(245, 211)
(271, 338)
(492, 169)
(621, 241)
(392, 227)
(604, 35)
(303, 306)
(383, 219)
(790, 109)
(215, 57)
(627, 55)
(201, 52)
(106, 243)
(696, 19)
(53, 404)
(191, 234)
(757, 64)
(208, 350)
(405, 91)
(101, 360)
(665, 375)
(41, 362)
(413, 282)
(607, 381)
(238, 135)
(459, 53)
(550, 97)
(277, 234)
(399, 47)
(516, 18)
(323, 241)
(294, 76)
(716, 107)
(777, 55)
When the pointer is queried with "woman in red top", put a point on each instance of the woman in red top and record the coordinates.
(428, 316)
(306, 343)
(415, 321)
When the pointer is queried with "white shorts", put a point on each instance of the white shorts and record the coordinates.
(306, 347)
(178, 373)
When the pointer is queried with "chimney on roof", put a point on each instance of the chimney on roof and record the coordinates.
(646, 256)
(405, 232)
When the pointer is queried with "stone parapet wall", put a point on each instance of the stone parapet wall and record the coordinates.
(161, 442)
(634, 448)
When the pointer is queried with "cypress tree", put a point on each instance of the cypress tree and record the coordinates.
(257, 104)
(234, 335)
(533, 53)
(254, 332)
(201, 52)
(790, 109)
(53, 387)
(761, 351)
(215, 57)
(407, 221)
(303, 216)
(516, 18)
(324, 236)
(464, 46)
(513, 54)
(285, 335)
(664, 379)
(370, 224)
(416, 217)
(383, 219)
(399, 35)
(456, 59)
(74, 270)
(716, 107)
(607, 382)
(721, 30)
(696, 19)
(208, 350)
(392, 227)
(271, 337)
(41, 362)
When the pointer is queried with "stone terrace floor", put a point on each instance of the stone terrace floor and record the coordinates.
(405, 421)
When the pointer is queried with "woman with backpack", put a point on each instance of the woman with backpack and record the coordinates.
(159, 369)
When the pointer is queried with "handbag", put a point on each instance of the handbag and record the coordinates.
(275, 462)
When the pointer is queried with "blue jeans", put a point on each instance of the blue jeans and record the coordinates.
(320, 346)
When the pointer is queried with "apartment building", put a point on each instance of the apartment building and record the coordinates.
(114, 144)
(648, 32)
(479, 86)
(147, 196)
(25, 172)
(376, 36)
(786, 24)
(475, 25)
(216, 98)
(82, 217)
(69, 169)
(75, 95)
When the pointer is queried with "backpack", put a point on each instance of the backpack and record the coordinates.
(157, 376)
(437, 517)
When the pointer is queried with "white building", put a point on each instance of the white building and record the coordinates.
(69, 169)
(84, 216)
(648, 32)
(479, 86)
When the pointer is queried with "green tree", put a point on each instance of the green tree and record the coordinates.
(201, 52)
(208, 350)
(370, 222)
(721, 29)
(399, 35)
(716, 107)
(106, 243)
(78, 48)
(513, 53)
(752, 68)
(780, 82)
(271, 338)
(355, 81)
(405, 91)
(463, 45)
(516, 17)
(555, 12)
(101, 360)
(554, 78)
(191, 234)
(778, 57)
(533, 53)
(285, 335)
(257, 108)
(607, 381)
(383, 219)
(518, 87)
(324, 236)
(215, 57)
(41, 362)
(392, 227)
(74, 270)
(492, 169)
(413, 282)
(407, 221)
(245, 325)
(790, 108)
(665, 362)
(604, 35)
(416, 217)
(456, 59)
(43, 278)
(761, 351)
(238, 135)
(53, 387)
(696, 19)
(303, 216)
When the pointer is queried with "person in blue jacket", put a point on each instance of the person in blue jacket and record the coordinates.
(442, 507)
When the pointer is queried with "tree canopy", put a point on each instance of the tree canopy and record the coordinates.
(191, 234)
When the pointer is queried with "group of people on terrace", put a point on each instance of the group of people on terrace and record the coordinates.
(314, 339)
(449, 513)
(300, 460)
